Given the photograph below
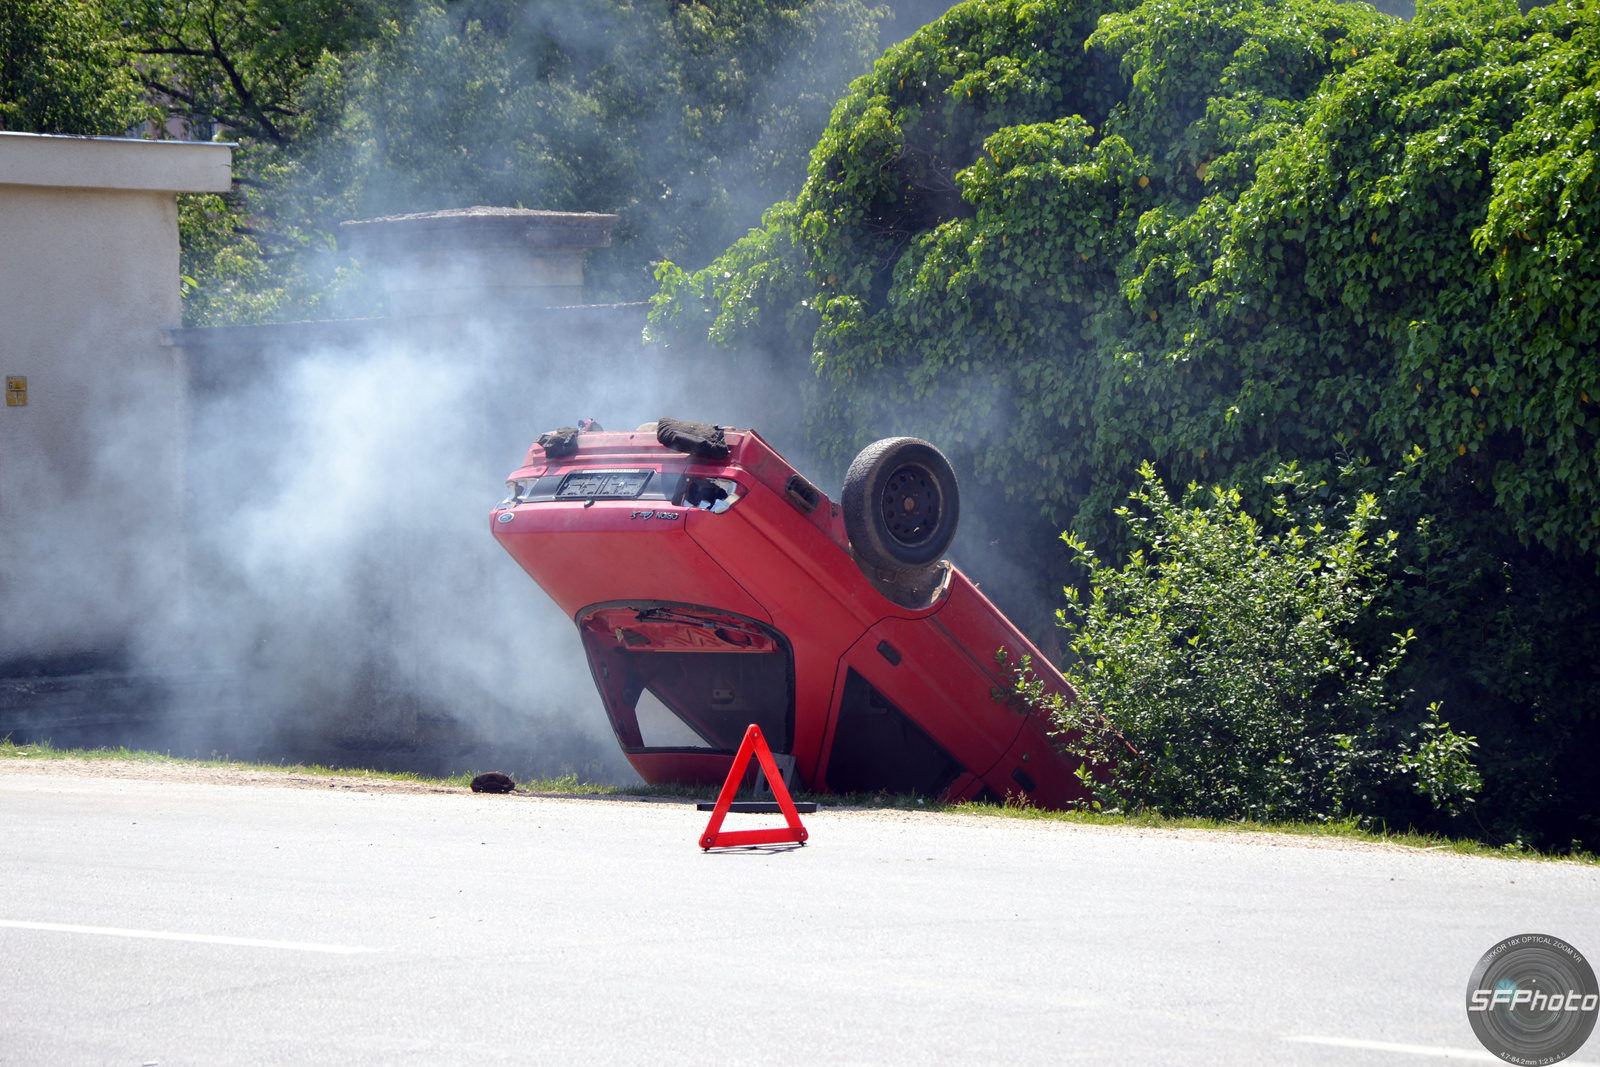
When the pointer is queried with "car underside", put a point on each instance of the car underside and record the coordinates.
(713, 587)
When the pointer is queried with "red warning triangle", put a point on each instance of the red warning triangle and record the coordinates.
(715, 837)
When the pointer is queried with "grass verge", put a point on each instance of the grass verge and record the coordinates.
(570, 785)
(44, 750)
(1348, 829)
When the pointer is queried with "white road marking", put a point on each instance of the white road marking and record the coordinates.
(1437, 1052)
(1477, 1055)
(204, 939)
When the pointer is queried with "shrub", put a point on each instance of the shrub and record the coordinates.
(1217, 675)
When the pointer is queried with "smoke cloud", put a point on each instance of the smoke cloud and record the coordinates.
(329, 589)
(341, 554)
(332, 591)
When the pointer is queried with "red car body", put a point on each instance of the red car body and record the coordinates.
(698, 622)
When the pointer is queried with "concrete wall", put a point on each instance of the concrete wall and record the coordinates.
(90, 467)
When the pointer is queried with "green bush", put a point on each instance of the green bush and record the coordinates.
(1217, 675)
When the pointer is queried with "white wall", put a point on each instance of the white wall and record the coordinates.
(90, 469)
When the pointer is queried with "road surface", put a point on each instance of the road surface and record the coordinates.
(195, 922)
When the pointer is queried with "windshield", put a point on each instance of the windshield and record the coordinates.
(676, 677)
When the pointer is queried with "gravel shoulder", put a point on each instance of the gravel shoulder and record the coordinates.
(147, 771)
(150, 771)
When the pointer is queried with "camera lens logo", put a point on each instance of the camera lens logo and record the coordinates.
(1533, 1000)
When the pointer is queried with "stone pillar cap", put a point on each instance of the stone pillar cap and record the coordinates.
(481, 228)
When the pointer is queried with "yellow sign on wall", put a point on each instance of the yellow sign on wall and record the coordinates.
(16, 391)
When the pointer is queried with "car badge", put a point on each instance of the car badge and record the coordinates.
(506, 516)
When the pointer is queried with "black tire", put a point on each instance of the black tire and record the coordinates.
(884, 530)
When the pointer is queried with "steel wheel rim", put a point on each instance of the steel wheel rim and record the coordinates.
(909, 504)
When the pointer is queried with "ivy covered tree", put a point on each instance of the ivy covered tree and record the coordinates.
(1067, 238)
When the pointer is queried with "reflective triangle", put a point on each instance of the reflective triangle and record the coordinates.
(716, 837)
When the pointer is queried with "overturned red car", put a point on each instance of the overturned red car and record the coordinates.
(714, 586)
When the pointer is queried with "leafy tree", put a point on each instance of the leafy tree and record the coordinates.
(63, 70)
(685, 119)
(1217, 674)
(1064, 239)
(225, 272)
(240, 64)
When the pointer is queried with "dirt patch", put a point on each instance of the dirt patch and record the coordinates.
(146, 771)
(1260, 839)
(139, 770)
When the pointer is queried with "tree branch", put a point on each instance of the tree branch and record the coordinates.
(154, 51)
(251, 231)
(167, 90)
(246, 98)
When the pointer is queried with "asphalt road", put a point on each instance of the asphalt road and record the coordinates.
(341, 927)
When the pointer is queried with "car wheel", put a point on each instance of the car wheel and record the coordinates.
(901, 504)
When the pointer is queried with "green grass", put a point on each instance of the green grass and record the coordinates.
(44, 750)
(570, 785)
(1348, 829)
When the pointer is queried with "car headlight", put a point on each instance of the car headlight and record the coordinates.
(516, 492)
(715, 495)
